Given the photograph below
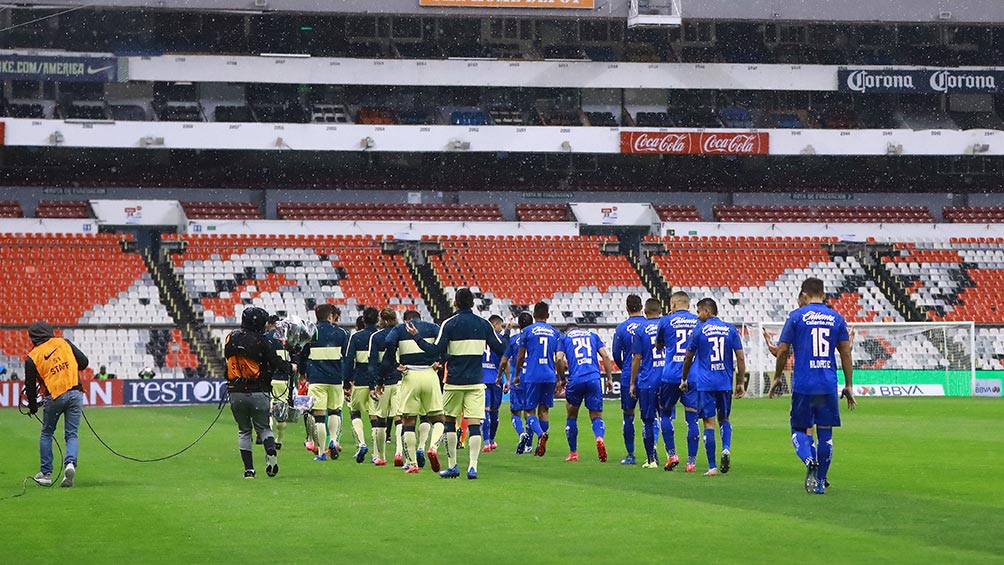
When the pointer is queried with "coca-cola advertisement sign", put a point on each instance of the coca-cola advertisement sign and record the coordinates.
(695, 143)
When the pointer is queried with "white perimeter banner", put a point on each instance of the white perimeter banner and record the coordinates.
(400, 230)
(614, 214)
(48, 225)
(899, 390)
(139, 212)
(844, 232)
(988, 387)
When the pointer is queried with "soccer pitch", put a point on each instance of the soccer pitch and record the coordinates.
(913, 479)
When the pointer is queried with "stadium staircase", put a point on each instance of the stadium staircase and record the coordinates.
(648, 271)
(416, 257)
(173, 295)
(887, 282)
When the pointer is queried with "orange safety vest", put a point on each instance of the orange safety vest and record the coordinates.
(56, 366)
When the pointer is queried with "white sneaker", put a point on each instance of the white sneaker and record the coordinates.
(44, 479)
(69, 473)
(271, 465)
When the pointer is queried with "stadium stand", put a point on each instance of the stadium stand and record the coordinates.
(289, 275)
(747, 275)
(416, 212)
(10, 209)
(974, 214)
(221, 210)
(63, 209)
(828, 214)
(95, 284)
(543, 213)
(671, 213)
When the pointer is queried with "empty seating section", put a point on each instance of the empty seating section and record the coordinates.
(824, 214)
(221, 210)
(957, 280)
(10, 209)
(602, 119)
(85, 280)
(385, 212)
(974, 215)
(508, 117)
(329, 113)
(63, 209)
(758, 279)
(990, 349)
(675, 213)
(289, 275)
(543, 213)
(376, 116)
(513, 273)
(473, 118)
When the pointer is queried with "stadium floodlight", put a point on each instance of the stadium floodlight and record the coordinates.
(151, 141)
(978, 148)
(893, 149)
(56, 137)
(458, 145)
(367, 142)
(808, 150)
(566, 146)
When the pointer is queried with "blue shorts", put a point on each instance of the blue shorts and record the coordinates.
(538, 394)
(493, 397)
(808, 410)
(516, 403)
(648, 403)
(589, 391)
(713, 403)
(627, 403)
(670, 394)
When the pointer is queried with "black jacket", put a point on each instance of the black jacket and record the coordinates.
(262, 350)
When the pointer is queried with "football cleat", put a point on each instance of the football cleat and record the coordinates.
(691, 468)
(494, 446)
(472, 474)
(420, 457)
(278, 447)
(309, 446)
(398, 460)
(726, 463)
(451, 473)
(487, 448)
(411, 471)
(44, 479)
(248, 473)
(650, 465)
(361, 453)
(601, 449)
(380, 462)
(711, 473)
(629, 460)
(672, 463)
(820, 488)
(524, 442)
(573, 456)
(334, 450)
(810, 476)
(321, 457)
(541, 446)
(271, 465)
(68, 474)
(434, 460)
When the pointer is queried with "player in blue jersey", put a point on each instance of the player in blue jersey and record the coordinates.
(647, 363)
(537, 348)
(713, 344)
(507, 373)
(580, 351)
(674, 333)
(493, 390)
(622, 357)
(814, 333)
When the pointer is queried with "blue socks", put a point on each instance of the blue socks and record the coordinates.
(648, 438)
(517, 424)
(824, 452)
(726, 427)
(693, 436)
(709, 447)
(486, 425)
(599, 429)
(534, 424)
(493, 428)
(668, 436)
(629, 434)
(803, 445)
(546, 425)
(572, 433)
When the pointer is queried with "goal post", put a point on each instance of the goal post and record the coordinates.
(890, 358)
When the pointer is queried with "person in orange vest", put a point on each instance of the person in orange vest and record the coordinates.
(52, 372)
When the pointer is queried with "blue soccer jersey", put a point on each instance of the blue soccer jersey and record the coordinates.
(540, 341)
(490, 364)
(813, 332)
(714, 344)
(581, 348)
(674, 331)
(653, 358)
(621, 348)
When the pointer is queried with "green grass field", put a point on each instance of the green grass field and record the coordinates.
(913, 479)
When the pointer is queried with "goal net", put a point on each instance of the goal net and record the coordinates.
(890, 359)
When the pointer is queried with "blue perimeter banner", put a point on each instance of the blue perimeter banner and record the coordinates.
(136, 392)
(58, 67)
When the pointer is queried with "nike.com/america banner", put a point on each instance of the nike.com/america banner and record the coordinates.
(62, 68)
